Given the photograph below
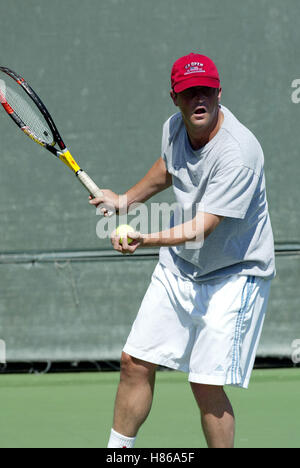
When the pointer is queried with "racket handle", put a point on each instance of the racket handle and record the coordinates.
(89, 184)
(91, 187)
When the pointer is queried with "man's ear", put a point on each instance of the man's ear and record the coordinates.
(173, 97)
(219, 95)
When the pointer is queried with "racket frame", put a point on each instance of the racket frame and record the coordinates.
(63, 154)
(40, 105)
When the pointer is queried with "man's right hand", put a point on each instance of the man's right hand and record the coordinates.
(110, 202)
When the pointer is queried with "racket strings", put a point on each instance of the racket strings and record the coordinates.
(24, 108)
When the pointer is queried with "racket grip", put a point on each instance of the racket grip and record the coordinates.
(91, 187)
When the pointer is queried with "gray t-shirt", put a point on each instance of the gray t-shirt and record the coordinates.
(226, 178)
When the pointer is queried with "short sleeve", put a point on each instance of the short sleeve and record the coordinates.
(171, 129)
(164, 143)
(230, 192)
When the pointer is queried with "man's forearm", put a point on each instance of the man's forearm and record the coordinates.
(155, 181)
(168, 238)
(192, 231)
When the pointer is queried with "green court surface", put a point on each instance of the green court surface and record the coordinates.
(75, 410)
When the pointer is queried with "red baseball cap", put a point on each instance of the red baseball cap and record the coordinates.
(194, 70)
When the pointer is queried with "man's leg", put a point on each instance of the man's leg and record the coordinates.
(216, 415)
(134, 395)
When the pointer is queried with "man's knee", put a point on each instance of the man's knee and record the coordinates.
(133, 368)
(208, 395)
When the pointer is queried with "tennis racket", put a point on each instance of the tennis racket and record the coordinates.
(27, 110)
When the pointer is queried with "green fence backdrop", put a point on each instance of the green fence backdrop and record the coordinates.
(103, 69)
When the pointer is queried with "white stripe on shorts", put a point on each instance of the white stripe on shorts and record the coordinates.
(235, 366)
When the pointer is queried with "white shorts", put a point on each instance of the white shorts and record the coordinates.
(210, 330)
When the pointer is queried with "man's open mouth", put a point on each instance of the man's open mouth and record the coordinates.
(200, 110)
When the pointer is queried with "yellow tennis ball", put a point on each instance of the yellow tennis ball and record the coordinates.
(122, 231)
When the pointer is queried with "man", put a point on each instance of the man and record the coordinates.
(204, 310)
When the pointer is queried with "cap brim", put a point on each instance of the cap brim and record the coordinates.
(191, 82)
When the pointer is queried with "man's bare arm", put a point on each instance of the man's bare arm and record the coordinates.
(156, 180)
(198, 229)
